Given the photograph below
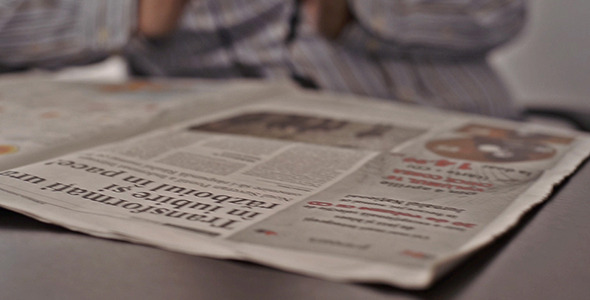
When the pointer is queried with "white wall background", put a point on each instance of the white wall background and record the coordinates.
(550, 62)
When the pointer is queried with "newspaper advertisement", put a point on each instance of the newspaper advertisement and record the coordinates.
(340, 189)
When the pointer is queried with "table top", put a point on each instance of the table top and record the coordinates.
(544, 257)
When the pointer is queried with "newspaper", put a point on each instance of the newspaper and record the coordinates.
(42, 118)
(343, 188)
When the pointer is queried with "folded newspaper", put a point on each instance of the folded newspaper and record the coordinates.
(339, 187)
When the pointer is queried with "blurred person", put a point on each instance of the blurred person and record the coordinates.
(426, 52)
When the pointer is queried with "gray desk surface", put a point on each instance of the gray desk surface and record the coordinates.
(545, 257)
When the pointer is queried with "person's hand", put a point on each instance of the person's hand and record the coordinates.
(329, 17)
(158, 18)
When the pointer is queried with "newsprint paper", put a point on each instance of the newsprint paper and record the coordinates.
(342, 188)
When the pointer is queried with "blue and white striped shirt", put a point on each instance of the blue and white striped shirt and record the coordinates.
(429, 52)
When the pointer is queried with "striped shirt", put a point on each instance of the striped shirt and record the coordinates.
(428, 52)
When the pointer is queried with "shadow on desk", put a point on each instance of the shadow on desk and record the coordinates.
(10, 220)
(578, 118)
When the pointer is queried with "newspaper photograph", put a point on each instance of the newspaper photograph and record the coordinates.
(339, 188)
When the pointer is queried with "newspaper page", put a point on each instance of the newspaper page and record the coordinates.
(339, 188)
(42, 118)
